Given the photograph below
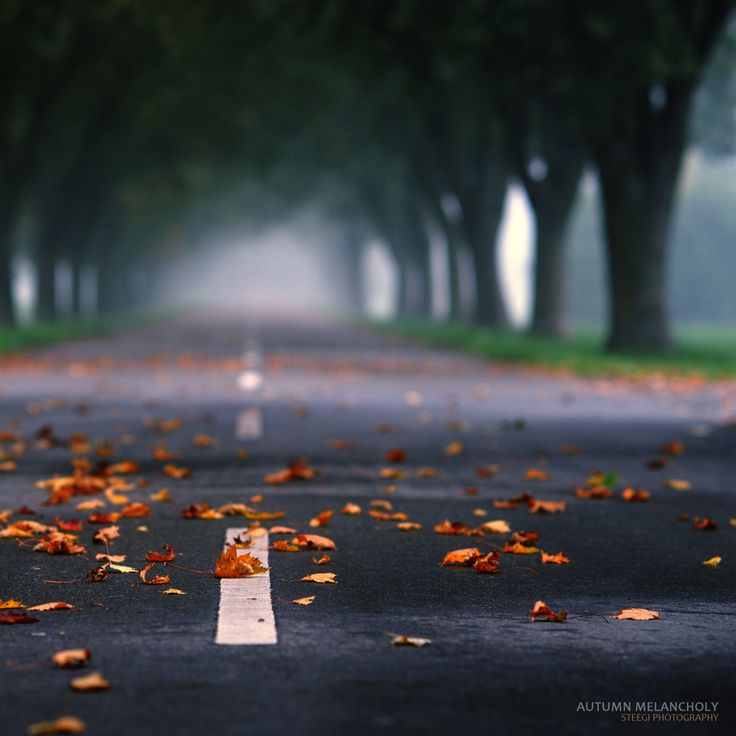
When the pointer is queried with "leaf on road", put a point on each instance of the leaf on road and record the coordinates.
(10, 603)
(320, 577)
(465, 556)
(637, 614)
(387, 516)
(635, 494)
(488, 563)
(704, 524)
(166, 556)
(454, 448)
(53, 606)
(58, 543)
(156, 579)
(16, 618)
(542, 609)
(322, 519)
(106, 534)
(545, 507)
(177, 472)
(520, 549)
(200, 511)
(313, 541)
(712, 562)
(162, 496)
(71, 658)
(281, 530)
(231, 565)
(173, 591)
(321, 560)
(537, 474)
(454, 527)
(408, 526)
(677, 484)
(283, 546)
(350, 509)
(558, 559)
(401, 640)
(307, 601)
(298, 470)
(396, 455)
(94, 682)
(499, 526)
(60, 725)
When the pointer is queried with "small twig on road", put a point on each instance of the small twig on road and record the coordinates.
(189, 569)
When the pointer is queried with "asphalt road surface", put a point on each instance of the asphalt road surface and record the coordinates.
(266, 392)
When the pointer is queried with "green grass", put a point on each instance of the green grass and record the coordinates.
(16, 339)
(703, 350)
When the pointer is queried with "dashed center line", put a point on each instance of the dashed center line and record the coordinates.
(246, 614)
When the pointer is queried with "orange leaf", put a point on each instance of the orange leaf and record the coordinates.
(167, 555)
(558, 559)
(537, 474)
(231, 565)
(542, 609)
(322, 519)
(637, 614)
(466, 556)
(54, 606)
(71, 658)
(320, 577)
(61, 725)
(91, 683)
(156, 579)
(313, 541)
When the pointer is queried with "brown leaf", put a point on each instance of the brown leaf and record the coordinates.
(53, 606)
(313, 541)
(704, 524)
(350, 509)
(172, 591)
(537, 474)
(231, 565)
(488, 563)
(324, 560)
(396, 455)
(156, 579)
(558, 559)
(166, 556)
(408, 526)
(10, 603)
(637, 614)
(320, 577)
(16, 618)
(519, 549)
(71, 658)
(60, 725)
(401, 640)
(542, 609)
(322, 519)
(94, 682)
(466, 556)
(307, 601)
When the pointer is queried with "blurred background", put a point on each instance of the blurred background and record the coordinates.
(551, 170)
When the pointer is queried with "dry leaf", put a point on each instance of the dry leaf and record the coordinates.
(231, 565)
(677, 484)
(466, 556)
(60, 725)
(637, 614)
(71, 658)
(350, 509)
(519, 549)
(313, 541)
(704, 524)
(167, 556)
(10, 603)
(325, 559)
(499, 526)
(408, 526)
(542, 609)
(558, 559)
(156, 579)
(545, 507)
(713, 562)
(320, 577)
(173, 591)
(282, 530)
(94, 682)
(322, 519)
(8, 619)
(396, 455)
(537, 474)
(454, 448)
(53, 606)
(305, 601)
(400, 640)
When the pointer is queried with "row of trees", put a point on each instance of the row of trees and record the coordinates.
(134, 129)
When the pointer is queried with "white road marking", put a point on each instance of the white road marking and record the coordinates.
(250, 380)
(249, 425)
(246, 613)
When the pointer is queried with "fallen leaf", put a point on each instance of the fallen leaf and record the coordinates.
(136, 510)
(387, 516)
(60, 725)
(203, 440)
(396, 455)
(673, 448)
(454, 527)
(520, 549)
(16, 618)
(200, 511)
(320, 577)
(633, 494)
(454, 448)
(408, 526)
(57, 543)
(123, 569)
(325, 559)
(542, 609)
(10, 603)
(537, 474)
(713, 561)
(166, 556)
(400, 640)
(350, 509)
(53, 606)
(488, 563)
(466, 556)
(637, 614)
(322, 519)
(677, 484)
(428, 473)
(283, 546)
(305, 601)
(298, 470)
(704, 524)
(545, 507)
(282, 530)
(231, 565)
(177, 472)
(558, 559)
(172, 591)
(71, 658)
(162, 496)
(313, 541)
(106, 534)
(94, 682)
(156, 579)
(499, 526)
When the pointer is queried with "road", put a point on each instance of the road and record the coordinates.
(309, 382)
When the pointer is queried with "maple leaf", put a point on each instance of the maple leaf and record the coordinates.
(350, 509)
(704, 524)
(499, 526)
(545, 507)
(466, 556)
(106, 534)
(92, 683)
(136, 510)
(177, 472)
(99, 518)
(537, 474)
(322, 519)
(166, 556)
(16, 618)
(401, 640)
(558, 559)
(25, 529)
(313, 541)
(156, 579)
(488, 563)
(60, 725)
(10, 603)
(320, 577)
(408, 526)
(396, 455)
(54, 606)
(454, 527)
(633, 494)
(542, 609)
(307, 601)
(231, 565)
(386, 516)
(637, 614)
(72, 525)
(519, 549)
(712, 562)
(71, 658)
(200, 511)
(57, 543)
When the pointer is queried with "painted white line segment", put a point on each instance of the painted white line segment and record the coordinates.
(249, 425)
(246, 613)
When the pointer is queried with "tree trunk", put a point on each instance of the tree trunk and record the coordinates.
(637, 213)
(453, 241)
(489, 307)
(76, 264)
(7, 306)
(45, 262)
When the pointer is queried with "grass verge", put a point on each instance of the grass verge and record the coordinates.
(700, 350)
